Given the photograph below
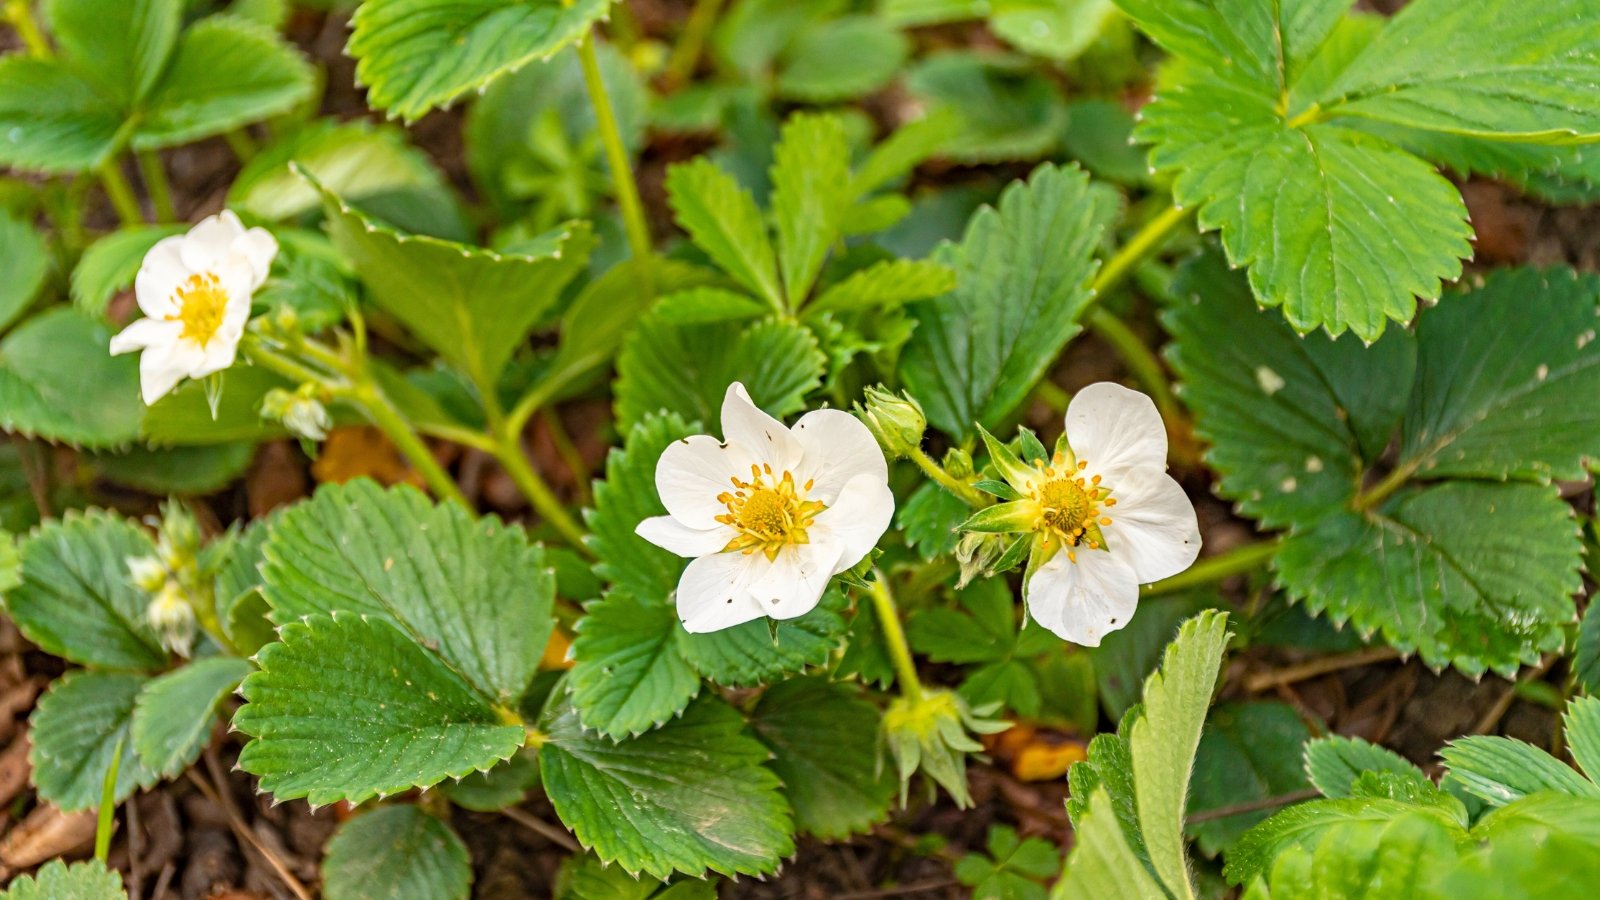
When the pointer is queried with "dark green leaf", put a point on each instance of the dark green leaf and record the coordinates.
(77, 729)
(398, 852)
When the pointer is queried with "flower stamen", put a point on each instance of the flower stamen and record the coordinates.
(1070, 505)
(201, 304)
(768, 514)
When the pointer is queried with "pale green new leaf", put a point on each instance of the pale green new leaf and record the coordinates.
(697, 795)
(885, 284)
(1102, 864)
(78, 727)
(473, 306)
(1259, 43)
(1305, 824)
(1401, 858)
(58, 382)
(396, 852)
(628, 497)
(1054, 29)
(27, 262)
(120, 46)
(415, 55)
(51, 119)
(110, 264)
(1022, 277)
(76, 599)
(810, 196)
(1249, 752)
(1334, 763)
(56, 880)
(473, 591)
(350, 707)
(174, 713)
(724, 221)
(1501, 770)
(629, 674)
(1582, 728)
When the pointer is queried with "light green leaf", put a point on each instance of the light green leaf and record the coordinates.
(630, 675)
(705, 305)
(1007, 109)
(58, 382)
(1164, 739)
(1404, 857)
(415, 55)
(1334, 763)
(840, 59)
(474, 306)
(885, 284)
(184, 417)
(174, 714)
(27, 262)
(1022, 275)
(1501, 770)
(764, 650)
(687, 369)
(697, 795)
(474, 591)
(1305, 824)
(824, 741)
(76, 599)
(120, 46)
(56, 880)
(77, 727)
(628, 497)
(226, 73)
(350, 707)
(51, 120)
(110, 264)
(398, 852)
(1055, 29)
(1582, 728)
(1102, 864)
(722, 219)
(1258, 43)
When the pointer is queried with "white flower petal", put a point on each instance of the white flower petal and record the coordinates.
(144, 333)
(837, 448)
(1153, 527)
(1083, 601)
(857, 520)
(162, 366)
(256, 247)
(1116, 430)
(793, 582)
(693, 471)
(209, 244)
(156, 284)
(766, 438)
(714, 593)
(674, 536)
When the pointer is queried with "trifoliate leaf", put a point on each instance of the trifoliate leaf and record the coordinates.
(686, 369)
(473, 306)
(120, 46)
(630, 674)
(174, 714)
(626, 498)
(824, 740)
(1022, 276)
(1334, 763)
(984, 630)
(1248, 752)
(350, 707)
(27, 260)
(1102, 864)
(415, 55)
(764, 650)
(1500, 770)
(697, 795)
(1406, 856)
(56, 880)
(434, 571)
(723, 220)
(51, 119)
(77, 729)
(110, 264)
(840, 59)
(225, 73)
(399, 852)
(77, 599)
(57, 382)
(929, 520)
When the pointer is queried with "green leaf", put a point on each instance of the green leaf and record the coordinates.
(885, 284)
(697, 795)
(51, 119)
(1334, 763)
(415, 55)
(56, 880)
(1022, 276)
(1249, 752)
(1102, 864)
(184, 417)
(984, 630)
(628, 497)
(225, 73)
(434, 571)
(840, 59)
(687, 369)
(1264, 43)
(1055, 29)
(503, 786)
(1403, 857)
(1012, 869)
(10, 564)
(350, 707)
(77, 729)
(110, 264)
(1586, 655)
(399, 852)
(762, 651)
(928, 520)
(1582, 729)
(1305, 824)
(27, 263)
(1501, 770)
(824, 741)
(810, 195)
(58, 382)
(630, 674)
(474, 306)
(120, 46)
(176, 470)
(723, 220)
(76, 599)
(1163, 741)
(1494, 69)
(702, 306)
(1008, 110)
(174, 714)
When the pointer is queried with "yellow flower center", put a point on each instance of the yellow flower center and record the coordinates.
(201, 304)
(1070, 505)
(768, 511)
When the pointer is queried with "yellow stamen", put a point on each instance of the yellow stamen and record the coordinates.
(201, 304)
(1069, 507)
(768, 516)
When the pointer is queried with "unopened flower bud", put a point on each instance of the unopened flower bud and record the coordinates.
(958, 463)
(933, 733)
(179, 544)
(896, 420)
(147, 573)
(172, 617)
(299, 411)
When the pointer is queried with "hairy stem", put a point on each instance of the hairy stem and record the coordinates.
(973, 497)
(621, 169)
(241, 143)
(156, 184)
(1241, 559)
(895, 636)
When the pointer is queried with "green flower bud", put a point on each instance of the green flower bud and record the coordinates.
(958, 463)
(172, 617)
(179, 542)
(933, 733)
(147, 573)
(299, 411)
(896, 420)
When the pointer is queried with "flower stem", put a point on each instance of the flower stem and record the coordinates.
(1050, 394)
(691, 43)
(621, 170)
(895, 636)
(947, 481)
(508, 450)
(378, 408)
(241, 143)
(1139, 359)
(156, 184)
(1381, 491)
(1143, 244)
(20, 15)
(569, 453)
(1245, 558)
(119, 192)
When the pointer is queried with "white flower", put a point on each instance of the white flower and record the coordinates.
(299, 411)
(195, 292)
(769, 514)
(1104, 514)
(147, 573)
(172, 617)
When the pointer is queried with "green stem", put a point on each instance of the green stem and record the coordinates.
(1245, 558)
(973, 497)
(241, 143)
(1144, 243)
(1390, 483)
(569, 453)
(1140, 359)
(691, 43)
(382, 413)
(106, 815)
(267, 358)
(621, 170)
(509, 451)
(20, 14)
(119, 192)
(156, 184)
(1050, 394)
(895, 636)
